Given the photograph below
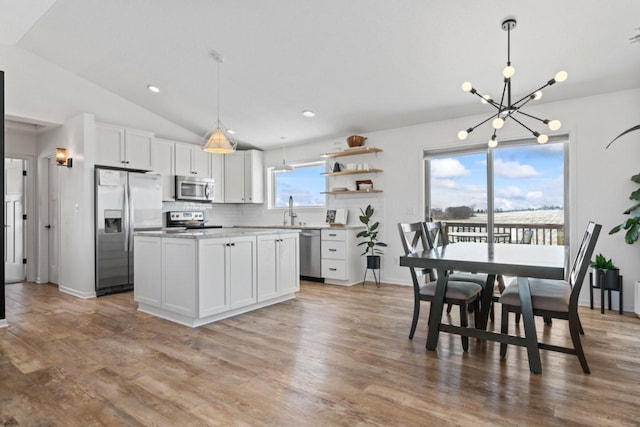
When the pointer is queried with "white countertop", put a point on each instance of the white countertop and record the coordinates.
(303, 227)
(215, 233)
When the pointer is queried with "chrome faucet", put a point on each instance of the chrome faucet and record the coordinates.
(292, 214)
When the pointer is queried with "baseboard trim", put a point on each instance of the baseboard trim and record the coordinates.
(76, 293)
(4, 323)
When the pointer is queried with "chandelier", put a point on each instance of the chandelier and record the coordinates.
(218, 141)
(505, 108)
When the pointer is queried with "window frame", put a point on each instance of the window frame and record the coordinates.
(271, 185)
(429, 154)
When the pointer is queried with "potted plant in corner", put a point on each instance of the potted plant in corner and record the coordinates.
(606, 274)
(372, 245)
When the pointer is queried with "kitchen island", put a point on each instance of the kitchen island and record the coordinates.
(195, 277)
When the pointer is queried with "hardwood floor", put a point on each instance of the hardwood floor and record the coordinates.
(333, 356)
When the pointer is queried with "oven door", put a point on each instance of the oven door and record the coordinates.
(194, 189)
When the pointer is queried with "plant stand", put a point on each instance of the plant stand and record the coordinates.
(599, 283)
(375, 277)
(373, 264)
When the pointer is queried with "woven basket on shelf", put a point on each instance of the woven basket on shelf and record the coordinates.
(356, 141)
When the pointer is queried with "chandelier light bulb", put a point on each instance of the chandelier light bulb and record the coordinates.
(467, 86)
(485, 99)
(462, 135)
(497, 123)
(561, 76)
(537, 95)
(508, 72)
(493, 142)
(554, 124)
(543, 139)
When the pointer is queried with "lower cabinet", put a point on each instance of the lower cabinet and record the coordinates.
(197, 281)
(278, 265)
(341, 261)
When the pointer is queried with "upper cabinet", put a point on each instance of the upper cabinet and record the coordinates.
(244, 177)
(191, 160)
(164, 164)
(124, 148)
(217, 173)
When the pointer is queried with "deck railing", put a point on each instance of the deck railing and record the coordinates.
(543, 234)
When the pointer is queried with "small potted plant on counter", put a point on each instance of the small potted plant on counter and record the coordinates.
(372, 245)
(606, 274)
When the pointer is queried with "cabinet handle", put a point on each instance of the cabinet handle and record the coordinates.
(333, 269)
(233, 244)
(332, 235)
(332, 250)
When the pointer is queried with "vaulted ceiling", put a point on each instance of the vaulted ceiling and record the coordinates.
(360, 65)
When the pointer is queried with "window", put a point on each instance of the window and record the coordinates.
(305, 184)
(518, 186)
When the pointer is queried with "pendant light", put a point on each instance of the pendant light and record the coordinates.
(284, 167)
(218, 141)
(506, 108)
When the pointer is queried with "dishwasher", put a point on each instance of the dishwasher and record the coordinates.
(310, 255)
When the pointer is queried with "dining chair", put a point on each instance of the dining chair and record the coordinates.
(436, 232)
(463, 294)
(556, 298)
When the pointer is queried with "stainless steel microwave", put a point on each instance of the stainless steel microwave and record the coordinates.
(195, 189)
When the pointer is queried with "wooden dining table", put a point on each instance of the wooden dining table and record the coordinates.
(493, 259)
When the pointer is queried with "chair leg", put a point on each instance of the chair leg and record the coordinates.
(464, 322)
(517, 317)
(547, 320)
(416, 314)
(504, 328)
(449, 308)
(476, 312)
(580, 326)
(492, 315)
(574, 323)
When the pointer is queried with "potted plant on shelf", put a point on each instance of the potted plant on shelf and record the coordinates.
(606, 274)
(372, 245)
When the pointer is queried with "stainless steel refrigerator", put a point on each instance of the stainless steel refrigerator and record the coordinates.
(125, 202)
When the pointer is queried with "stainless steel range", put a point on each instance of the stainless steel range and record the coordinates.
(190, 220)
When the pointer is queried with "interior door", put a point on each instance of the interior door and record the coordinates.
(53, 225)
(14, 222)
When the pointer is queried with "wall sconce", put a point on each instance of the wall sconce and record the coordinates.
(62, 159)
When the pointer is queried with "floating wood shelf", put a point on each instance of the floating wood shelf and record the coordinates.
(352, 191)
(353, 152)
(352, 172)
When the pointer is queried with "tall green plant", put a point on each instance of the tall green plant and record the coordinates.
(370, 234)
(632, 225)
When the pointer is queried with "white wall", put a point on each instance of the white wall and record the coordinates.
(76, 255)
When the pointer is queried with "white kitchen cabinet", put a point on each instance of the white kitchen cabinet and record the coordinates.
(124, 148)
(179, 274)
(341, 263)
(164, 165)
(195, 278)
(278, 265)
(217, 173)
(227, 274)
(244, 177)
(192, 161)
(146, 290)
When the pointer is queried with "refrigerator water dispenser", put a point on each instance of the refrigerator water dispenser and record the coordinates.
(112, 221)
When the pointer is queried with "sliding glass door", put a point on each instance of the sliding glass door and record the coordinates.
(513, 193)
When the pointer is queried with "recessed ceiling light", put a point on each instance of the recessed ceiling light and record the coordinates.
(154, 89)
(308, 113)
(231, 131)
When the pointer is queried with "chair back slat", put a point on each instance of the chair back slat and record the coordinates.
(436, 232)
(414, 240)
(581, 263)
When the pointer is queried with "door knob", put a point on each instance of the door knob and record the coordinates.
(48, 226)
